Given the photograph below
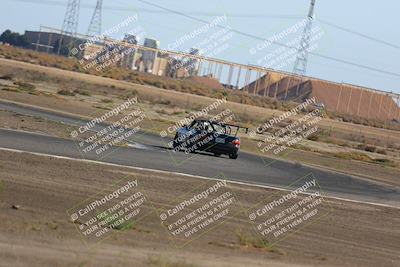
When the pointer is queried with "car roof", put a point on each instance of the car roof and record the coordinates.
(210, 121)
(202, 120)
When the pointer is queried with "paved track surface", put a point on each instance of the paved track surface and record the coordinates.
(148, 151)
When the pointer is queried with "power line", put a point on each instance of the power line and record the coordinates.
(208, 14)
(358, 33)
(274, 42)
(167, 10)
(144, 10)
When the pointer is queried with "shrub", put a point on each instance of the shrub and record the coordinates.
(386, 162)
(353, 155)
(106, 101)
(66, 92)
(82, 92)
(313, 137)
(247, 241)
(370, 148)
(173, 87)
(25, 86)
(162, 101)
(381, 151)
(6, 77)
(157, 84)
(10, 89)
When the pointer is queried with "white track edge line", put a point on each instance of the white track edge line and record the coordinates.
(188, 175)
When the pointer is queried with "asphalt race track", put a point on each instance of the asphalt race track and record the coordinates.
(148, 151)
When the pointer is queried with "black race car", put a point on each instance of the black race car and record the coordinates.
(209, 136)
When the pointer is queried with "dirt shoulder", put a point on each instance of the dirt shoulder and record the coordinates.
(38, 232)
(14, 121)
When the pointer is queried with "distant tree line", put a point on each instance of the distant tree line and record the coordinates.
(14, 38)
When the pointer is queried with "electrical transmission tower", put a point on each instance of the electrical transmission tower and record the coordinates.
(300, 65)
(95, 23)
(70, 24)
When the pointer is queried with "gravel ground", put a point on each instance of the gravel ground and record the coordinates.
(35, 230)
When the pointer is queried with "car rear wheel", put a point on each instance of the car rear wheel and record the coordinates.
(233, 156)
(176, 142)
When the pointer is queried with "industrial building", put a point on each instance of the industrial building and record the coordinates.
(149, 57)
(128, 59)
(337, 97)
(44, 41)
(49, 42)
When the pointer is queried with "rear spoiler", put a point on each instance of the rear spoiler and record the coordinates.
(238, 127)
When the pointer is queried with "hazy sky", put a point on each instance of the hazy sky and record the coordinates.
(263, 18)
